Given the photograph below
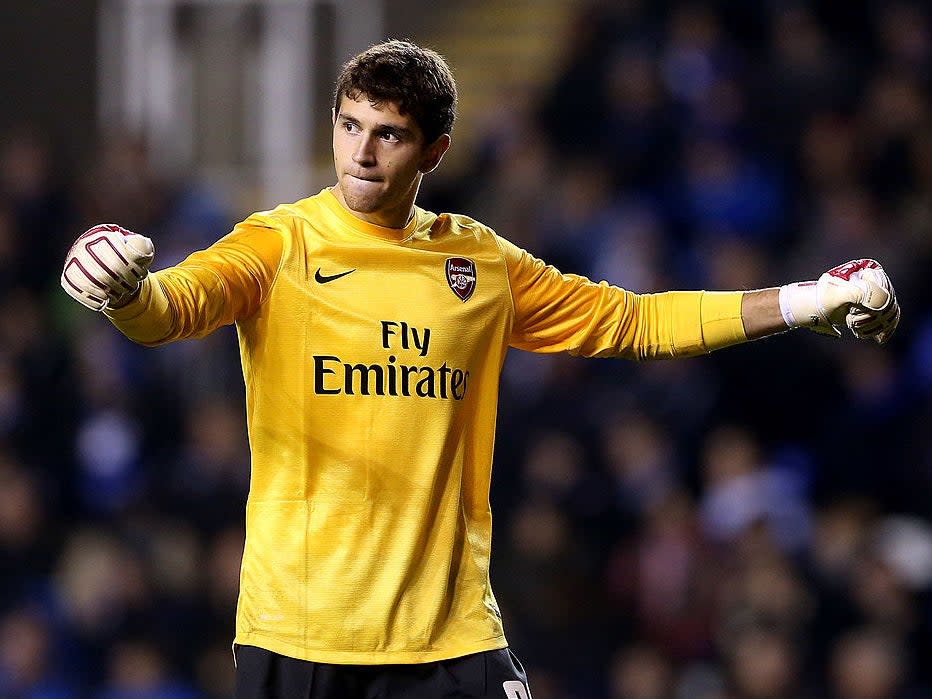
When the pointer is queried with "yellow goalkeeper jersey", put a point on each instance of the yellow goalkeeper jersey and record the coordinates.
(371, 358)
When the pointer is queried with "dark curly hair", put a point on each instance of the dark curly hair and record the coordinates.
(416, 80)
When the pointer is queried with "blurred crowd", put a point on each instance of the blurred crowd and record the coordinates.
(754, 524)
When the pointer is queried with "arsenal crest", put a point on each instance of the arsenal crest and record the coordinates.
(461, 276)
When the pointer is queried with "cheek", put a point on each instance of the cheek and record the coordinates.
(340, 145)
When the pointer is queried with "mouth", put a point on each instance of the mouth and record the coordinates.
(364, 179)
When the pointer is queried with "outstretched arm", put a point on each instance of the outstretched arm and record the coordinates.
(557, 312)
(107, 270)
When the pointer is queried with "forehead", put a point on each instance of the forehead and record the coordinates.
(375, 114)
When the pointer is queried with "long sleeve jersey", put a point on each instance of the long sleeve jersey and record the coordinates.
(371, 359)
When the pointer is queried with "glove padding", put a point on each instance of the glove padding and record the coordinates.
(105, 264)
(864, 323)
(857, 294)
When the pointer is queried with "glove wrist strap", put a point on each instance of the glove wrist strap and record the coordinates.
(799, 304)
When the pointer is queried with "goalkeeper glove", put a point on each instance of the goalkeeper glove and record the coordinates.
(878, 326)
(105, 266)
(858, 294)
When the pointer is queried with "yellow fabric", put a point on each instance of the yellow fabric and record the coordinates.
(371, 402)
(557, 312)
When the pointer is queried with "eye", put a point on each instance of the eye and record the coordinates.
(350, 127)
(390, 137)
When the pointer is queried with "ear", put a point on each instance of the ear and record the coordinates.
(433, 153)
(333, 115)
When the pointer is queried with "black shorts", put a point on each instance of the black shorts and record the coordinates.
(493, 674)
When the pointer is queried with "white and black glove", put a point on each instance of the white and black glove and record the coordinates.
(106, 264)
(857, 294)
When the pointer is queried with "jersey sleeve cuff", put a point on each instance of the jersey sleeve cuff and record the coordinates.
(722, 324)
(139, 319)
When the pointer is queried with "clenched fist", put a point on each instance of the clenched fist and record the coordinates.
(857, 294)
(105, 266)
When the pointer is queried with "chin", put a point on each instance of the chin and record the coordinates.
(363, 205)
(361, 199)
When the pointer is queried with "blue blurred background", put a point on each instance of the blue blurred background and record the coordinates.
(755, 524)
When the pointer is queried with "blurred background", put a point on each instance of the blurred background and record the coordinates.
(755, 524)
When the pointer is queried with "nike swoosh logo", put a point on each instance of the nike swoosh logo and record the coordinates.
(323, 279)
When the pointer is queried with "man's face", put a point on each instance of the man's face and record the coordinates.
(379, 157)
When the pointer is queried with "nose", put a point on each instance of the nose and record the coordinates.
(364, 154)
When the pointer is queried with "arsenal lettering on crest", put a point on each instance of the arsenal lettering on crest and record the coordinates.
(461, 276)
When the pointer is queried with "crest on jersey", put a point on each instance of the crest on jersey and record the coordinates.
(461, 276)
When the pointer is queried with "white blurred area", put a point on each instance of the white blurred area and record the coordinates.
(243, 119)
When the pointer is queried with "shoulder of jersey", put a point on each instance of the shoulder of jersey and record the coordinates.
(281, 215)
(460, 224)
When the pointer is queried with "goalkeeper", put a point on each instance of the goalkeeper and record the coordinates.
(372, 334)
